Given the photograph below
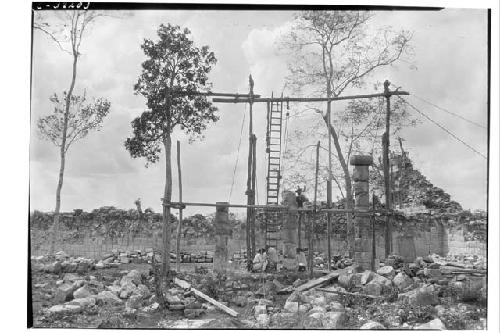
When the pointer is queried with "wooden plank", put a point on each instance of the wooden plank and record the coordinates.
(346, 293)
(317, 282)
(186, 285)
(314, 283)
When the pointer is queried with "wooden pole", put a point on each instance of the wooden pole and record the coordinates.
(179, 225)
(386, 145)
(330, 177)
(254, 189)
(302, 99)
(374, 245)
(249, 193)
(299, 229)
(329, 223)
(311, 225)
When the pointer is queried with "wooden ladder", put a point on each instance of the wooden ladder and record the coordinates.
(273, 150)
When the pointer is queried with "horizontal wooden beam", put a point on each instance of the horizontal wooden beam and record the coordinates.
(183, 205)
(236, 96)
(304, 99)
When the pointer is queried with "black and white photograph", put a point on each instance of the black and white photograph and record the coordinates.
(261, 166)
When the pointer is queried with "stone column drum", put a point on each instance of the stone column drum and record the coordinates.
(289, 230)
(362, 225)
(222, 234)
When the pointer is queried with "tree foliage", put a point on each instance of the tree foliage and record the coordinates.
(175, 70)
(360, 125)
(335, 50)
(330, 52)
(66, 28)
(83, 117)
(172, 78)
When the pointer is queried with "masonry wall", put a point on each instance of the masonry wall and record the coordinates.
(412, 238)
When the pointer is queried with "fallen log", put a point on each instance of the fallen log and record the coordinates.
(186, 285)
(347, 293)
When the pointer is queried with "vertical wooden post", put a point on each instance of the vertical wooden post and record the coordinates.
(313, 221)
(249, 191)
(329, 184)
(254, 189)
(329, 223)
(179, 225)
(299, 229)
(386, 145)
(374, 245)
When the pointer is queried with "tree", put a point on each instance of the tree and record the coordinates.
(332, 51)
(72, 119)
(173, 74)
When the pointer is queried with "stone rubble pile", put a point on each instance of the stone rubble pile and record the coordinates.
(63, 263)
(117, 257)
(421, 283)
(74, 293)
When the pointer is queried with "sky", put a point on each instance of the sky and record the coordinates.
(449, 69)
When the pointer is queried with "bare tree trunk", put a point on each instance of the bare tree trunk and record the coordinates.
(167, 196)
(55, 225)
(348, 187)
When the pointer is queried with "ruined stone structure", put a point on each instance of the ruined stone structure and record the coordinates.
(222, 234)
(363, 238)
(289, 230)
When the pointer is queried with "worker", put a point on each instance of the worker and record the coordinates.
(301, 260)
(260, 261)
(272, 259)
(300, 198)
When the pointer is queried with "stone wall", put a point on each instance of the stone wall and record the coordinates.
(99, 232)
(94, 234)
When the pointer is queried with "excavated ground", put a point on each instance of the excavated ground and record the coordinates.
(123, 297)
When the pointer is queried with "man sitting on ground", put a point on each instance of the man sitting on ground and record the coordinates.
(260, 261)
(301, 260)
(272, 259)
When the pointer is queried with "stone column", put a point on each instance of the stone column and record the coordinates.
(362, 225)
(289, 230)
(222, 234)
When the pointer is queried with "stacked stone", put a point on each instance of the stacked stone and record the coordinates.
(222, 234)
(362, 227)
